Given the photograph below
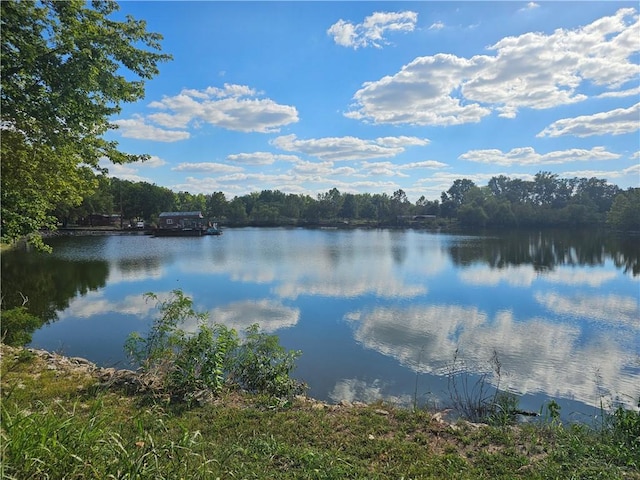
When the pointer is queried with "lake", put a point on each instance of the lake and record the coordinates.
(378, 314)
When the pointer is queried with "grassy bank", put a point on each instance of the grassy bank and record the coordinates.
(60, 422)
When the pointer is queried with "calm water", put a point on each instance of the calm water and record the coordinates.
(377, 313)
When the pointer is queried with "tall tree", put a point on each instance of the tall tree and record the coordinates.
(625, 211)
(216, 205)
(67, 67)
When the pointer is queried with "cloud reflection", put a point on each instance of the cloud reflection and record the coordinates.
(518, 276)
(95, 303)
(526, 275)
(611, 309)
(536, 355)
(352, 390)
(331, 264)
(270, 315)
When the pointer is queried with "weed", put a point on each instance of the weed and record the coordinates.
(480, 401)
(623, 431)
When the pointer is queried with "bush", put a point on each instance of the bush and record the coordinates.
(262, 365)
(194, 366)
(18, 326)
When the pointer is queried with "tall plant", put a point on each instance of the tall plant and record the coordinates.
(192, 365)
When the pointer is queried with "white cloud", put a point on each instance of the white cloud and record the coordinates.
(430, 164)
(313, 168)
(613, 122)
(528, 156)
(621, 93)
(389, 169)
(424, 92)
(533, 70)
(609, 174)
(137, 127)
(530, 6)
(371, 32)
(206, 167)
(347, 148)
(436, 26)
(153, 162)
(402, 141)
(234, 107)
(260, 158)
(127, 171)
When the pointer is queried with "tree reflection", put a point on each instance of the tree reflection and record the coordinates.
(49, 282)
(547, 249)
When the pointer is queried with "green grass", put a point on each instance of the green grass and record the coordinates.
(56, 425)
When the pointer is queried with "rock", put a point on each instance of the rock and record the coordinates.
(82, 361)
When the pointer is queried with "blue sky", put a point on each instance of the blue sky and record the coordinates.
(374, 97)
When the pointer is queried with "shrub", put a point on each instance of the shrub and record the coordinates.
(18, 326)
(262, 365)
(193, 366)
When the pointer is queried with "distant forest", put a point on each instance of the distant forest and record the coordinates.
(547, 200)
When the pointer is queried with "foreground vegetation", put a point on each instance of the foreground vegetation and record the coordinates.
(57, 424)
(209, 403)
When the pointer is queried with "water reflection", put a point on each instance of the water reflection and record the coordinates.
(95, 303)
(370, 309)
(546, 250)
(537, 355)
(270, 315)
(355, 390)
(525, 276)
(614, 310)
(49, 282)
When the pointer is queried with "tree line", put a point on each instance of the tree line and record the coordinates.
(547, 200)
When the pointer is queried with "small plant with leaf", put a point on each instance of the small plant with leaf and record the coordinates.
(193, 366)
(262, 365)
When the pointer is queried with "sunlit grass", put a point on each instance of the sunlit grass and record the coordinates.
(59, 426)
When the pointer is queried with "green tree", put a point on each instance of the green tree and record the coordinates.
(399, 204)
(216, 205)
(237, 212)
(545, 185)
(625, 211)
(188, 202)
(472, 215)
(350, 207)
(293, 206)
(329, 204)
(66, 69)
(382, 205)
